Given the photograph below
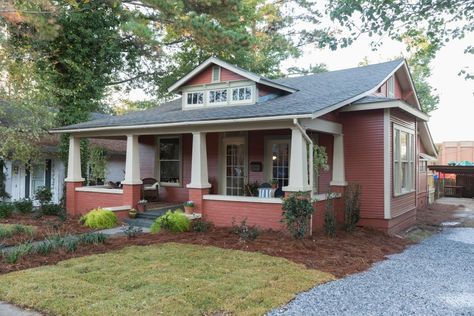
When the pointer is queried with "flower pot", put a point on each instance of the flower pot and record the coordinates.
(274, 185)
(141, 207)
(189, 209)
(132, 214)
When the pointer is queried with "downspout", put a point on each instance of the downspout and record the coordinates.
(310, 163)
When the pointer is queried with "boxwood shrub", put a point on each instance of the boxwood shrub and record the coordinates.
(99, 219)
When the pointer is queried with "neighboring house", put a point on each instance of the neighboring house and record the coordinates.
(22, 182)
(232, 127)
(453, 151)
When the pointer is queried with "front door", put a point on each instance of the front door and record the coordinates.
(235, 170)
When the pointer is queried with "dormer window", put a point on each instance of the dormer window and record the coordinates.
(195, 97)
(216, 74)
(218, 96)
(242, 94)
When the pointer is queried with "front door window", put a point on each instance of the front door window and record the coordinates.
(235, 169)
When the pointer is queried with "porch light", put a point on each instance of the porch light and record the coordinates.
(274, 157)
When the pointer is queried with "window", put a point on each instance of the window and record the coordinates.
(391, 87)
(277, 161)
(403, 160)
(169, 160)
(216, 74)
(195, 97)
(242, 94)
(423, 165)
(218, 96)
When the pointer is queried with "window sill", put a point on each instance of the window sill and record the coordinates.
(403, 193)
(324, 197)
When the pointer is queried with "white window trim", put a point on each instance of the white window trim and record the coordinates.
(411, 147)
(240, 102)
(217, 103)
(197, 104)
(158, 160)
(218, 76)
(391, 87)
(268, 161)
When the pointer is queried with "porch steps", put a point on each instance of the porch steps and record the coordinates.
(147, 218)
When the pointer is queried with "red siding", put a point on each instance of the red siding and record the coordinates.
(364, 158)
(205, 76)
(265, 90)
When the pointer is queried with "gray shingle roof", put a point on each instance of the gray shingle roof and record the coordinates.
(316, 92)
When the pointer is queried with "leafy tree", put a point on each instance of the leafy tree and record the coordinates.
(312, 69)
(441, 21)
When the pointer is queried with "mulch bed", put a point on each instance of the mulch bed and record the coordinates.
(346, 254)
(435, 214)
(45, 226)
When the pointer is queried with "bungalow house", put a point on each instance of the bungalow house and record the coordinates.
(231, 127)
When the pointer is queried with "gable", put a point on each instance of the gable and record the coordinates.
(205, 76)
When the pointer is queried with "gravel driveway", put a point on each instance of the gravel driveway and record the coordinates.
(435, 277)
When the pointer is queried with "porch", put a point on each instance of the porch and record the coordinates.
(219, 169)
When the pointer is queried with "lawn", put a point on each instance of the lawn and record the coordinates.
(163, 279)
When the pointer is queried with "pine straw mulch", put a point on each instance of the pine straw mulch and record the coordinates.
(44, 226)
(437, 213)
(345, 254)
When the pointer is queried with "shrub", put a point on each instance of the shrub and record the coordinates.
(70, 243)
(92, 238)
(99, 219)
(172, 221)
(43, 195)
(201, 226)
(23, 206)
(51, 209)
(297, 211)
(6, 209)
(245, 232)
(330, 216)
(7, 231)
(351, 206)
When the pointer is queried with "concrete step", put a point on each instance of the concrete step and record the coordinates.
(157, 212)
(141, 222)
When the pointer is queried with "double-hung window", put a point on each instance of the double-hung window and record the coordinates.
(391, 87)
(403, 160)
(169, 160)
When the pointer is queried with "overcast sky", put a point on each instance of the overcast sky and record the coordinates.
(454, 119)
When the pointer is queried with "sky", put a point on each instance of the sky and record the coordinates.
(454, 118)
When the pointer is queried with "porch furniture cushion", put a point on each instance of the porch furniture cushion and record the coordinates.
(265, 192)
(151, 189)
(265, 185)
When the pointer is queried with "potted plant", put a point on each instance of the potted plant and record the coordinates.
(132, 213)
(274, 183)
(141, 205)
(189, 207)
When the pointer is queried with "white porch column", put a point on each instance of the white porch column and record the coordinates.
(132, 162)
(199, 173)
(74, 160)
(338, 173)
(298, 178)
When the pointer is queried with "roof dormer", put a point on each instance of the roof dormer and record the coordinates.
(217, 83)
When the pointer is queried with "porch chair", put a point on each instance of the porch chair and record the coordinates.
(151, 189)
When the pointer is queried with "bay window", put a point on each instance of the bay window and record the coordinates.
(169, 160)
(403, 160)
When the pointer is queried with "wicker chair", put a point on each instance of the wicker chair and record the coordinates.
(151, 189)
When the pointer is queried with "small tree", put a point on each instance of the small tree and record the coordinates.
(297, 211)
(351, 206)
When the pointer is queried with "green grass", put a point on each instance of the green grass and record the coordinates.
(169, 279)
